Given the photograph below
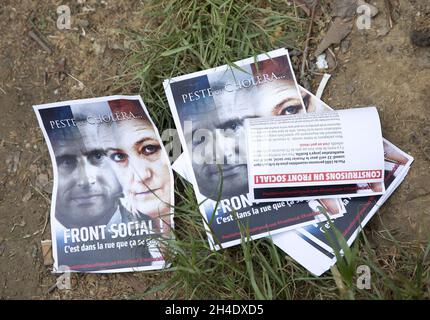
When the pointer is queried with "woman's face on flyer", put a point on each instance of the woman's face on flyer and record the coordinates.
(278, 98)
(141, 167)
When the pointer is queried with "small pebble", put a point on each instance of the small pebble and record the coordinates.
(83, 23)
(2, 249)
(421, 38)
(34, 251)
(350, 88)
(344, 45)
(27, 197)
(383, 31)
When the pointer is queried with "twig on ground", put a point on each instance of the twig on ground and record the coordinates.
(76, 79)
(388, 9)
(322, 85)
(47, 213)
(46, 222)
(45, 77)
(334, 58)
(306, 49)
(302, 5)
(33, 35)
(36, 159)
(40, 192)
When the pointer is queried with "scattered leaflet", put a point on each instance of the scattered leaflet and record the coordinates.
(113, 185)
(315, 155)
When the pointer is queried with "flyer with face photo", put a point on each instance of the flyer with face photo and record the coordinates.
(311, 246)
(209, 109)
(113, 185)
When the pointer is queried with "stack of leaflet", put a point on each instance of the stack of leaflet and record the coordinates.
(265, 154)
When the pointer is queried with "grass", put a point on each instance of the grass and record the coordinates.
(185, 36)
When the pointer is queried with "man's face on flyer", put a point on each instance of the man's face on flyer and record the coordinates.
(88, 190)
(225, 124)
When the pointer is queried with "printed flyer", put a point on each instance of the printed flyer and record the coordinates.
(311, 245)
(315, 155)
(209, 108)
(113, 185)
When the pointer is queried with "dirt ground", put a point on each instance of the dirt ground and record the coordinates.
(93, 50)
(386, 71)
(392, 74)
